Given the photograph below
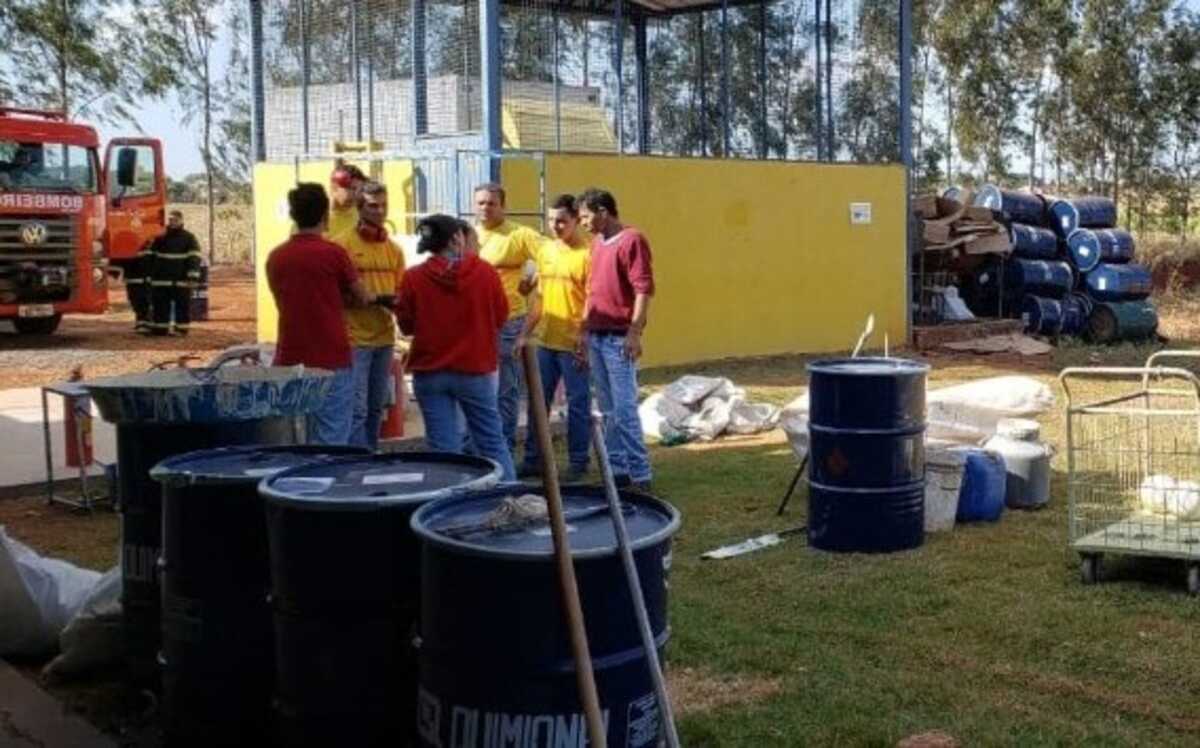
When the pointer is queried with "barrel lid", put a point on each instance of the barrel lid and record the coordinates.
(459, 524)
(875, 366)
(1066, 216)
(990, 196)
(379, 481)
(1021, 429)
(209, 395)
(243, 464)
(1008, 447)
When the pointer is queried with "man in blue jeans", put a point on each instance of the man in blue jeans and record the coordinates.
(621, 284)
(508, 247)
(557, 311)
(310, 278)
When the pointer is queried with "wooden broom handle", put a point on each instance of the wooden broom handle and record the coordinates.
(562, 552)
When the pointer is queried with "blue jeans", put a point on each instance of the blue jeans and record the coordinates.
(372, 375)
(331, 423)
(442, 393)
(511, 379)
(614, 376)
(553, 366)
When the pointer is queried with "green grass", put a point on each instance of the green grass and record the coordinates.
(985, 633)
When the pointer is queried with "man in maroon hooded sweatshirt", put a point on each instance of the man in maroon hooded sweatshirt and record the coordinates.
(454, 305)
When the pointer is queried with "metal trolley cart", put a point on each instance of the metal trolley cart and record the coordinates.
(1133, 458)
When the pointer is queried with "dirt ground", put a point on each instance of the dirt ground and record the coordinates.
(107, 345)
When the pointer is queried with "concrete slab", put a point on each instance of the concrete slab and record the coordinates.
(32, 718)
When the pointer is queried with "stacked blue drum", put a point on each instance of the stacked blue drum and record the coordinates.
(1071, 270)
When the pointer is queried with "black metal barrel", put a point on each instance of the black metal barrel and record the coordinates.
(166, 413)
(495, 657)
(345, 590)
(867, 465)
(218, 642)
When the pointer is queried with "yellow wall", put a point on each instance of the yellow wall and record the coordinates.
(751, 258)
(272, 225)
(754, 258)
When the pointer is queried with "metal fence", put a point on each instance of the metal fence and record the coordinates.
(786, 79)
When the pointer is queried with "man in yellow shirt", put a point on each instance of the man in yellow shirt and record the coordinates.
(564, 263)
(372, 331)
(344, 182)
(507, 246)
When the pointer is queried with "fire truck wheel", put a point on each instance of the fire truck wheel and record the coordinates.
(37, 325)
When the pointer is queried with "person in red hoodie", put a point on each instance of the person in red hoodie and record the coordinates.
(453, 305)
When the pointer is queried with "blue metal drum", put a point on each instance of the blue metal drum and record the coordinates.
(218, 644)
(345, 580)
(1033, 242)
(867, 469)
(1096, 212)
(1040, 277)
(495, 658)
(1116, 245)
(1062, 217)
(1110, 282)
(1042, 316)
(1019, 207)
(1074, 314)
(165, 413)
(1111, 322)
(1083, 247)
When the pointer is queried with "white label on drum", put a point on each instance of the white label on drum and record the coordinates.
(384, 479)
(642, 722)
(261, 472)
(304, 485)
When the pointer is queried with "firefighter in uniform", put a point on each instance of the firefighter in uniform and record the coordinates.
(176, 259)
(137, 288)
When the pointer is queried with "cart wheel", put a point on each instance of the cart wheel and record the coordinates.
(1089, 568)
(1194, 579)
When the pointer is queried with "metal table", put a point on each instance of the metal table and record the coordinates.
(71, 393)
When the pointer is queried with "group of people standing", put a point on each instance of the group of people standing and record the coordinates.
(486, 291)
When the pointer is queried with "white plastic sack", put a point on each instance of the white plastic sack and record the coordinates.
(93, 637)
(752, 418)
(38, 596)
(793, 419)
(711, 420)
(1162, 494)
(661, 417)
(690, 389)
(954, 309)
(968, 413)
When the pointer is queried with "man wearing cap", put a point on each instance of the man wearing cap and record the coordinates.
(507, 246)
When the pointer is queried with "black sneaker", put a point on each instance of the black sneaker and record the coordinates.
(622, 481)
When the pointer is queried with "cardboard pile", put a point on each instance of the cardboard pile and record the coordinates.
(952, 227)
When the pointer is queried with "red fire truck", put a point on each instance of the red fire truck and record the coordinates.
(64, 219)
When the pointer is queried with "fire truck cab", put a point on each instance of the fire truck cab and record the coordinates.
(64, 218)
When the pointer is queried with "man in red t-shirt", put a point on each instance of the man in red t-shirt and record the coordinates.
(620, 285)
(312, 280)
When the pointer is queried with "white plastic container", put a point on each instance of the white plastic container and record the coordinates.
(1027, 465)
(943, 481)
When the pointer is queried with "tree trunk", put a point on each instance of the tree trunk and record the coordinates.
(949, 132)
(208, 164)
